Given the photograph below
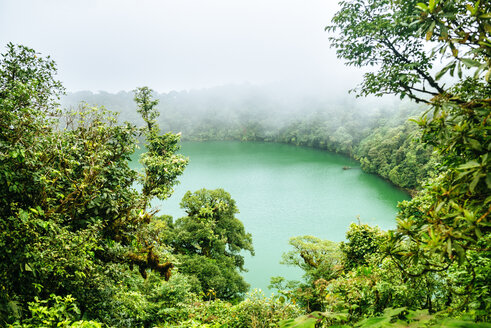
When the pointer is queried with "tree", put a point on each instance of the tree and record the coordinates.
(162, 165)
(446, 228)
(391, 35)
(320, 259)
(210, 240)
(362, 242)
(71, 221)
(146, 107)
(321, 262)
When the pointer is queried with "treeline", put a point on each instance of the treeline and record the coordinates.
(377, 134)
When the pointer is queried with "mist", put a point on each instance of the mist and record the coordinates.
(181, 45)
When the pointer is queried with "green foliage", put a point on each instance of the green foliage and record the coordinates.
(27, 85)
(443, 233)
(319, 259)
(209, 241)
(259, 311)
(362, 242)
(401, 317)
(216, 210)
(371, 282)
(255, 311)
(57, 311)
(71, 220)
(396, 154)
(392, 317)
(347, 280)
(162, 165)
(74, 223)
(382, 34)
(146, 108)
(306, 321)
(80, 196)
(321, 262)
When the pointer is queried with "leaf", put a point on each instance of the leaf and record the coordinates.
(394, 312)
(485, 16)
(464, 324)
(422, 6)
(432, 5)
(479, 70)
(23, 216)
(305, 321)
(373, 322)
(421, 315)
(474, 182)
(444, 70)
(460, 252)
(452, 70)
(429, 32)
(475, 144)
(470, 8)
(449, 248)
(455, 52)
(470, 62)
(469, 165)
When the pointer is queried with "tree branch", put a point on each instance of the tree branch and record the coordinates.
(425, 76)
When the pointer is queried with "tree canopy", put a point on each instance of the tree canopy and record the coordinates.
(211, 241)
(70, 213)
(402, 39)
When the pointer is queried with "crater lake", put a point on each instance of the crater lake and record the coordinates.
(284, 191)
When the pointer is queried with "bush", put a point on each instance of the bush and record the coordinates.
(56, 311)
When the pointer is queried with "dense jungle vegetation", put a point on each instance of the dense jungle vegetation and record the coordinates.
(80, 245)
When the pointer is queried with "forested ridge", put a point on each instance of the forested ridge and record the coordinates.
(82, 247)
(381, 138)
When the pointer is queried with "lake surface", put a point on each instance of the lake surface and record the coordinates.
(284, 191)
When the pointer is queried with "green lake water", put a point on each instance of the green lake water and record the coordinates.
(284, 191)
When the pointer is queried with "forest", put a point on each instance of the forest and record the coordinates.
(247, 113)
(81, 245)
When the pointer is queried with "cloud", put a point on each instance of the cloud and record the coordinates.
(118, 45)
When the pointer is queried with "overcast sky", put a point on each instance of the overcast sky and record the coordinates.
(168, 45)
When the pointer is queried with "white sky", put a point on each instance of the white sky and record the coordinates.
(168, 45)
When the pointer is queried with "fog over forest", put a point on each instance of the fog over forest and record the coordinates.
(181, 45)
(271, 105)
(265, 62)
